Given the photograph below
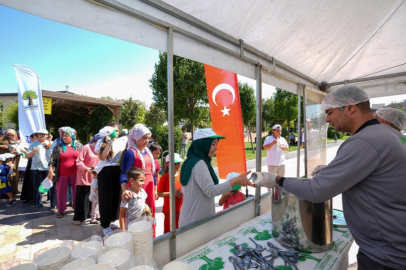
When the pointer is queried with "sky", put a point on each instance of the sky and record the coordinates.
(80, 61)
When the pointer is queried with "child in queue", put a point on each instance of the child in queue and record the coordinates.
(94, 199)
(163, 191)
(156, 151)
(232, 197)
(136, 206)
(5, 176)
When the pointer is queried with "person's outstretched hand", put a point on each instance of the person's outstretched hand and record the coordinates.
(264, 179)
(242, 180)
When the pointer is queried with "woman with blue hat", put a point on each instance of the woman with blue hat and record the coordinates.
(200, 183)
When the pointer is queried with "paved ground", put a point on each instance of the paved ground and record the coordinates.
(25, 230)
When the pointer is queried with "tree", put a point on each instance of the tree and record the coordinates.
(11, 113)
(30, 95)
(131, 113)
(267, 112)
(3, 123)
(248, 107)
(156, 116)
(190, 93)
(248, 104)
(285, 107)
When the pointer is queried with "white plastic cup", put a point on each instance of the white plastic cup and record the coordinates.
(178, 266)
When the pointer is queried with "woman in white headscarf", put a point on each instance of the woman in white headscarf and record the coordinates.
(138, 155)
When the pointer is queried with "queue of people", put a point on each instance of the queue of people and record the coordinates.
(119, 176)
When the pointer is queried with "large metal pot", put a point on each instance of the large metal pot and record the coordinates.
(300, 224)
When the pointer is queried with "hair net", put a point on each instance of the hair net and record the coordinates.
(393, 116)
(344, 96)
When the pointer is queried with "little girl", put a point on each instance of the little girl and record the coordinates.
(232, 197)
(5, 175)
(156, 151)
(94, 198)
(136, 206)
(163, 191)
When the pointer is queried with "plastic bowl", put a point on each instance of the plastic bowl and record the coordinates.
(101, 266)
(115, 257)
(80, 264)
(118, 239)
(24, 266)
(52, 257)
(86, 250)
(178, 266)
(142, 267)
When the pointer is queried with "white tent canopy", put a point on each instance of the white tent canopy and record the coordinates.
(306, 42)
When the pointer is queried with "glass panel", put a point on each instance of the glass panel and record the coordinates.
(316, 131)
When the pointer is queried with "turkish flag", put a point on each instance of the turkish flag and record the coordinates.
(226, 118)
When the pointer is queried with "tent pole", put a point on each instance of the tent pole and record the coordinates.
(305, 130)
(299, 135)
(171, 144)
(258, 136)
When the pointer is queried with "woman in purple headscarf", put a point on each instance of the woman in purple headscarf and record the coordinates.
(138, 155)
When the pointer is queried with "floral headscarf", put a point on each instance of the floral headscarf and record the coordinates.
(72, 133)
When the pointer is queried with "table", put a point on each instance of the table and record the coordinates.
(214, 254)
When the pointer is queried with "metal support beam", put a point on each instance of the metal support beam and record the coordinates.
(305, 129)
(171, 145)
(258, 139)
(241, 47)
(299, 95)
(368, 79)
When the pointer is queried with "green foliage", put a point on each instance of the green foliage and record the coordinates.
(11, 113)
(86, 121)
(190, 93)
(155, 116)
(331, 132)
(162, 133)
(2, 118)
(285, 107)
(267, 114)
(131, 113)
(248, 104)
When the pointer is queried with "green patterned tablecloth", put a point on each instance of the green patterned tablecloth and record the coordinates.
(214, 255)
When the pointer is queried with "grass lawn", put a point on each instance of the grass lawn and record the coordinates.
(248, 153)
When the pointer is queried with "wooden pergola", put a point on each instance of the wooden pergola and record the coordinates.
(68, 100)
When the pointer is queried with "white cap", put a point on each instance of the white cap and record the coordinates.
(206, 133)
(106, 131)
(3, 157)
(9, 155)
(43, 131)
(176, 157)
(277, 127)
(124, 131)
(232, 175)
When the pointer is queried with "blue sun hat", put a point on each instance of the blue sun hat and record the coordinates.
(231, 176)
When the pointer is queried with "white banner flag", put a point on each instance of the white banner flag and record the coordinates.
(30, 109)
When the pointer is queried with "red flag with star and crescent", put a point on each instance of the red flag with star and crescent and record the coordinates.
(226, 118)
